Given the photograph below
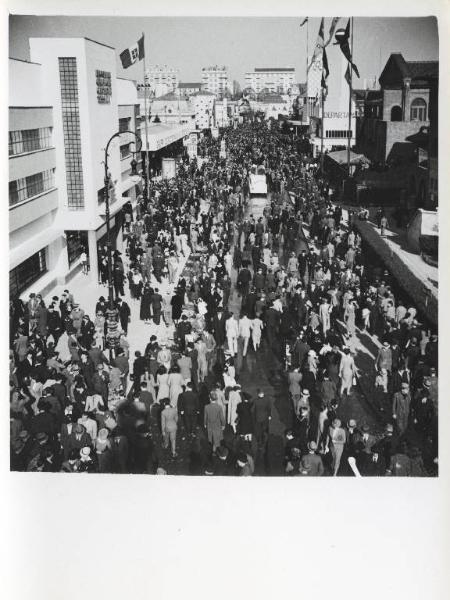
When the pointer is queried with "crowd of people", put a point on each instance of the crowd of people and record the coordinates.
(216, 282)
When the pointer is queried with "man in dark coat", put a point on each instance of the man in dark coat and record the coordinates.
(189, 407)
(124, 314)
(262, 412)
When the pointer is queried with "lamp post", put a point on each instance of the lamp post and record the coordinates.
(112, 333)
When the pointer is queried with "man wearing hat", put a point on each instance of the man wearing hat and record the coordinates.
(384, 358)
(245, 464)
(400, 408)
(423, 409)
(262, 413)
(311, 463)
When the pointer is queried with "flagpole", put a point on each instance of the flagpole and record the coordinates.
(307, 48)
(349, 139)
(147, 170)
(322, 129)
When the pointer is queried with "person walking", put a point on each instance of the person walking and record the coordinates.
(169, 426)
(232, 331)
(214, 422)
(336, 443)
(400, 408)
(262, 411)
(244, 332)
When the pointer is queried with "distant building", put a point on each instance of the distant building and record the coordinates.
(170, 108)
(278, 80)
(399, 109)
(215, 81)
(222, 113)
(203, 103)
(272, 105)
(162, 79)
(187, 89)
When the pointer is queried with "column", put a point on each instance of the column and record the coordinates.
(93, 261)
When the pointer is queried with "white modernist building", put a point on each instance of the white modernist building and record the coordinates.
(162, 79)
(278, 80)
(215, 80)
(335, 116)
(64, 106)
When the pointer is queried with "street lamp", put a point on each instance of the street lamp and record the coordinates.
(112, 333)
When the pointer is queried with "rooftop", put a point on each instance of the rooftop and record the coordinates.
(189, 85)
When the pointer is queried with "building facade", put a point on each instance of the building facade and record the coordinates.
(187, 89)
(64, 106)
(203, 103)
(278, 80)
(215, 81)
(399, 109)
(161, 79)
(171, 109)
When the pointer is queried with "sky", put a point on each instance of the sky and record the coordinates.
(190, 43)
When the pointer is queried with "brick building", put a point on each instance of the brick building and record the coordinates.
(399, 109)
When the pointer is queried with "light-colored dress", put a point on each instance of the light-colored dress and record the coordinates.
(234, 399)
(176, 382)
(162, 380)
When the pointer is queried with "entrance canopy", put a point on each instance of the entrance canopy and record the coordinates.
(161, 135)
(340, 157)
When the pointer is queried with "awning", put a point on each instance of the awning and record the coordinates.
(340, 157)
(32, 245)
(161, 135)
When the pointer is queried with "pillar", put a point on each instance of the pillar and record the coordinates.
(93, 260)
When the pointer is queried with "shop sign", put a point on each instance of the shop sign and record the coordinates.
(104, 89)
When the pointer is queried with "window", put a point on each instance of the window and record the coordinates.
(77, 242)
(28, 140)
(124, 124)
(71, 129)
(28, 187)
(125, 151)
(418, 110)
(338, 133)
(27, 273)
(396, 113)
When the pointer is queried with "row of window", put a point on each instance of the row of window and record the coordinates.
(27, 273)
(338, 133)
(28, 140)
(28, 187)
(71, 129)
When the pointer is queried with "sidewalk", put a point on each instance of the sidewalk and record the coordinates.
(87, 290)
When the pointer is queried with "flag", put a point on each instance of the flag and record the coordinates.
(348, 76)
(132, 54)
(324, 86)
(305, 20)
(317, 54)
(325, 64)
(342, 36)
(334, 22)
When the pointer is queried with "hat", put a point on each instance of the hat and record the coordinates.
(85, 452)
(41, 436)
(405, 385)
(389, 428)
(305, 392)
(352, 423)
(24, 434)
(312, 446)
(103, 434)
(222, 452)
(78, 428)
(386, 343)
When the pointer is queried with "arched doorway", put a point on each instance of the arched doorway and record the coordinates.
(396, 113)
